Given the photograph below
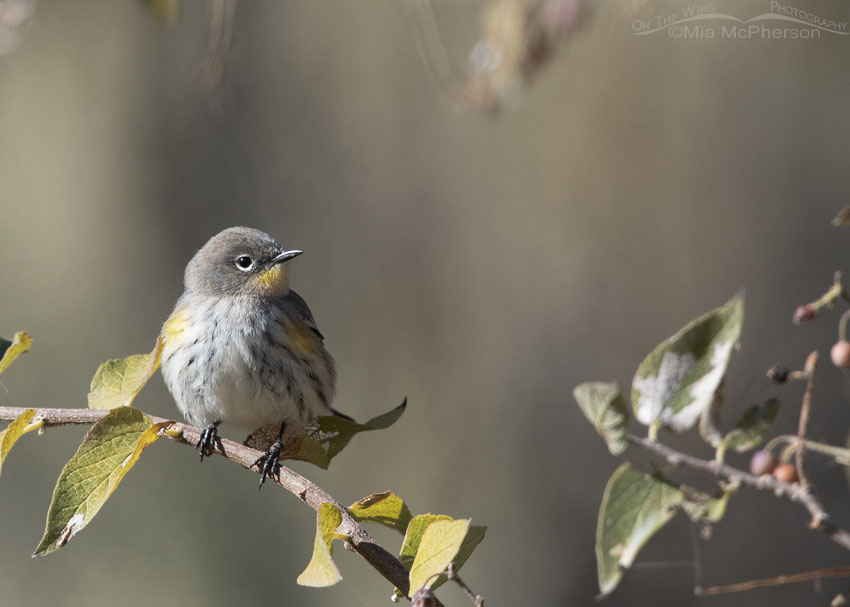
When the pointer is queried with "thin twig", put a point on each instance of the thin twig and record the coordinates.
(433, 50)
(697, 552)
(810, 369)
(791, 578)
(218, 54)
(793, 491)
(840, 455)
(311, 494)
(476, 599)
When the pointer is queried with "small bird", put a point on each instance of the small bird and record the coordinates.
(242, 348)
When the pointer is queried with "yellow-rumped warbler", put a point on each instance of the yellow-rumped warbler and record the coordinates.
(241, 348)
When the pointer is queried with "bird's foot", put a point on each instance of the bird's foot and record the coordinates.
(208, 440)
(268, 463)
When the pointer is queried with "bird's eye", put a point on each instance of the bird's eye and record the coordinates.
(244, 263)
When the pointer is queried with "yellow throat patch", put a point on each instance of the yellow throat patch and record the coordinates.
(273, 281)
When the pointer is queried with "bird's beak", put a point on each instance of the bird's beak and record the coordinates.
(285, 256)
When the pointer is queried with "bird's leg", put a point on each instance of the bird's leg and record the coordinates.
(269, 463)
(208, 439)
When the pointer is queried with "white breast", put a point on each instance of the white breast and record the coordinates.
(226, 364)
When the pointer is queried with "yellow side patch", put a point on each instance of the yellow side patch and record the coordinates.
(272, 280)
(301, 339)
(175, 325)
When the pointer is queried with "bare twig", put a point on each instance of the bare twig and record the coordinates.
(311, 494)
(839, 455)
(476, 599)
(217, 56)
(432, 47)
(791, 578)
(793, 491)
(810, 370)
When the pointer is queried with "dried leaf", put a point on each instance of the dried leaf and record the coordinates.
(334, 433)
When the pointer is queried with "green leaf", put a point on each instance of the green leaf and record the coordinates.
(753, 426)
(440, 545)
(334, 433)
(413, 536)
(384, 508)
(677, 381)
(634, 506)
(602, 403)
(321, 571)
(10, 350)
(703, 508)
(10, 435)
(117, 382)
(709, 420)
(109, 450)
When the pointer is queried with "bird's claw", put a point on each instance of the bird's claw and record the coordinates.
(268, 463)
(207, 441)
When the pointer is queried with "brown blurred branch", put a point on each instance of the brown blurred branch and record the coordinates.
(810, 370)
(791, 578)
(793, 491)
(311, 494)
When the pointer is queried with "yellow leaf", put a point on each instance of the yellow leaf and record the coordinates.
(10, 350)
(117, 382)
(384, 508)
(107, 453)
(440, 545)
(10, 435)
(321, 571)
(413, 536)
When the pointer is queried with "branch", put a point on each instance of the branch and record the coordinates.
(791, 578)
(358, 539)
(810, 370)
(476, 599)
(793, 491)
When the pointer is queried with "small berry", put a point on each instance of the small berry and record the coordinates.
(762, 462)
(423, 597)
(804, 313)
(785, 473)
(840, 354)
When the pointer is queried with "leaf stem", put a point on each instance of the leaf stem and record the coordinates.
(38, 424)
(652, 433)
(842, 325)
(720, 452)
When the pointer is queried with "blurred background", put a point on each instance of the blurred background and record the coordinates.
(480, 244)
